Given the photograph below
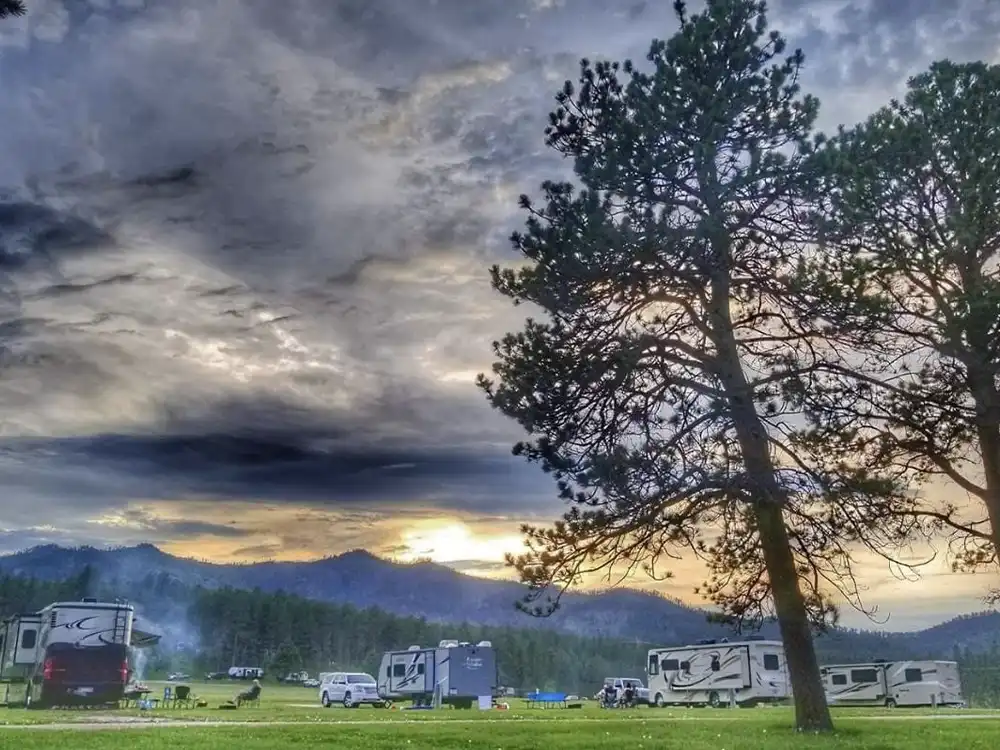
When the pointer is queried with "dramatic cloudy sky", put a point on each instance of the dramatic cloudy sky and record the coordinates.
(242, 260)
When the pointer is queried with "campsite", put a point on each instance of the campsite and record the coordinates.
(499, 374)
(422, 699)
(291, 716)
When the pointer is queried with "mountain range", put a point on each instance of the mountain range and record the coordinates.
(439, 593)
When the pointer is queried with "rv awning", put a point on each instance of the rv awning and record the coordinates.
(141, 639)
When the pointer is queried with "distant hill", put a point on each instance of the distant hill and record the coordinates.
(441, 594)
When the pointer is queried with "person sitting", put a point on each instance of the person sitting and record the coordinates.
(629, 698)
(610, 695)
(251, 695)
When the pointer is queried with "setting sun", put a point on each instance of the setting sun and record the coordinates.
(455, 542)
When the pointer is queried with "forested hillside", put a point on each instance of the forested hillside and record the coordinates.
(211, 629)
(420, 589)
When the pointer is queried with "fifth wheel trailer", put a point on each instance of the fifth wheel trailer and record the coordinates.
(69, 653)
(893, 683)
(715, 673)
(458, 673)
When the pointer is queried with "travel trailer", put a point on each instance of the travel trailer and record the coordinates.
(69, 653)
(893, 683)
(455, 673)
(716, 673)
(245, 673)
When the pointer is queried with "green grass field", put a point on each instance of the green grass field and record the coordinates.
(293, 717)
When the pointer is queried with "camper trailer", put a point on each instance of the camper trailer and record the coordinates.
(69, 653)
(454, 672)
(715, 673)
(893, 683)
(245, 673)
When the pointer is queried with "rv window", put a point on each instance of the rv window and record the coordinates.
(28, 639)
(913, 675)
(654, 665)
(420, 668)
(388, 672)
(771, 663)
(864, 675)
(686, 666)
(669, 665)
(398, 670)
(838, 679)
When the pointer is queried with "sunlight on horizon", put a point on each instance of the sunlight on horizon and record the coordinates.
(454, 542)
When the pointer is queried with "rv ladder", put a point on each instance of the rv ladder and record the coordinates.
(121, 626)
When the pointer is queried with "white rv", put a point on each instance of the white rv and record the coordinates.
(893, 683)
(455, 673)
(69, 653)
(716, 673)
(246, 673)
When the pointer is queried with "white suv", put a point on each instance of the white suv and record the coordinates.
(350, 689)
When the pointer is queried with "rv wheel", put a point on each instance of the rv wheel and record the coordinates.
(890, 703)
(713, 699)
(658, 701)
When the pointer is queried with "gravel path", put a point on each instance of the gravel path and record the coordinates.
(145, 723)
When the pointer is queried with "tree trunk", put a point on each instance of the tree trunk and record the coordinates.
(989, 446)
(987, 400)
(812, 713)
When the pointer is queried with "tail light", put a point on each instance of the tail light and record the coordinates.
(47, 669)
(124, 672)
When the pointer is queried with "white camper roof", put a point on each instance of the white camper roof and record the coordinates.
(87, 604)
(886, 663)
(720, 644)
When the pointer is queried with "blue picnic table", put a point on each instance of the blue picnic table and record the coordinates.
(546, 700)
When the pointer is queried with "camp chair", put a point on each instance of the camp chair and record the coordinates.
(249, 697)
(183, 697)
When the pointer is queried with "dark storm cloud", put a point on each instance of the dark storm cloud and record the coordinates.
(243, 243)
(292, 456)
(272, 466)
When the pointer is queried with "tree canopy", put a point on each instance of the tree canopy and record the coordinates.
(910, 280)
(12, 8)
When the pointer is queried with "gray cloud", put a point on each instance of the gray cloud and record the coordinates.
(243, 243)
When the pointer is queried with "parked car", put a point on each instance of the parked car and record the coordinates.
(350, 689)
(312, 682)
(620, 683)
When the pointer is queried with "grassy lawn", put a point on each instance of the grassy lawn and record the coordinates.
(514, 735)
(307, 725)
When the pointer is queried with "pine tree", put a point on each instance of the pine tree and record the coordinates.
(655, 389)
(910, 280)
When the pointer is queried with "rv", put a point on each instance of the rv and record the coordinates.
(455, 673)
(893, 683)
(715, 673)
(245, 673)
(69, 653)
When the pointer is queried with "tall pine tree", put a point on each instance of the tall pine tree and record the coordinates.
(654, 391)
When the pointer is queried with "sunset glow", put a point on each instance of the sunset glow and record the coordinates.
(455, 542)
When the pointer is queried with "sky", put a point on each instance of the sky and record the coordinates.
(243, 263)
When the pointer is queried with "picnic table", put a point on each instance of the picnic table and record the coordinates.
(135, 695)
(546, 700)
